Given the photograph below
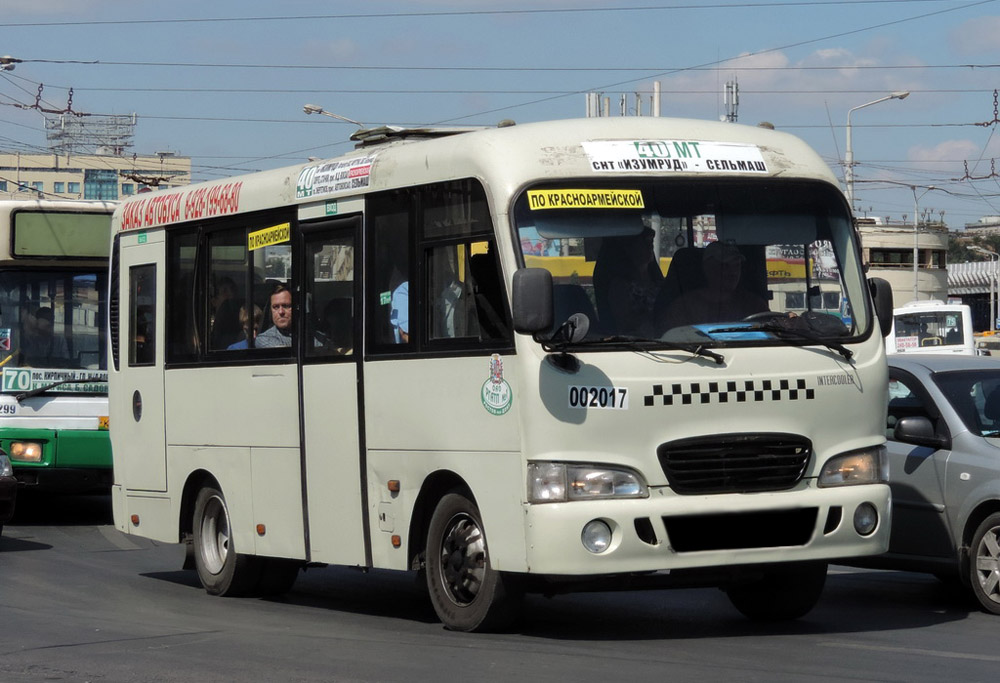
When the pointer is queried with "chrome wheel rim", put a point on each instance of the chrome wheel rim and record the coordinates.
(215, 535)
(463, 559)
(988, 564)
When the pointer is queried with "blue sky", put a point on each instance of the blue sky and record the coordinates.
(224, 82)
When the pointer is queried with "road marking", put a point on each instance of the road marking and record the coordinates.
(914, 651)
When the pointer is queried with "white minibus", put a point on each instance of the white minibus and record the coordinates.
(558, 356)
(932, 326)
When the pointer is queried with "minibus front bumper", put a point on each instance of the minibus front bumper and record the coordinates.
(667, 531)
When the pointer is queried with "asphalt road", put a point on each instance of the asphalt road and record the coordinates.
(81, 602)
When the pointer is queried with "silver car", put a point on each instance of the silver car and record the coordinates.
(943, 431)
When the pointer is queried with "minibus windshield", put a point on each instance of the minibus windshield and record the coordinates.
(713, 262)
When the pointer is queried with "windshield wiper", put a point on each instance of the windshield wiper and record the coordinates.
(41, 390)
(645, 344)
(784, 331)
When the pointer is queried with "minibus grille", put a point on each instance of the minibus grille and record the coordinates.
(734, 463)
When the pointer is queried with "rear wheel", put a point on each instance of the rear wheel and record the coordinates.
(221, 569)
(784, 592)
(467, 593)
(984, 564)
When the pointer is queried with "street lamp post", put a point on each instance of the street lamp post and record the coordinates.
(849, 153)
(916, 235)
(994, 284)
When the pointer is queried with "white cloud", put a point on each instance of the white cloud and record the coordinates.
(976, 36)
(949, 150)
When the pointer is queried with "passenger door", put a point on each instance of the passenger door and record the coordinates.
(137, 425)
(331, 385)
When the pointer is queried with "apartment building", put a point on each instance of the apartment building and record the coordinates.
(89, 176)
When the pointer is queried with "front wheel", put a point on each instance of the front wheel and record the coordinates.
(221, 569)
(784, 592)
(467, 594)
(984, 564)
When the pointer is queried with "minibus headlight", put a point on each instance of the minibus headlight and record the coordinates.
(556, 482)
(27, 451)
(5, 469)
(866, 466)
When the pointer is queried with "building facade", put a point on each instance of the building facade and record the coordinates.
(987, 225)
(888, 251)
(88, 176)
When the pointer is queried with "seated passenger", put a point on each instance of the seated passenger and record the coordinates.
(280, 333)
(720, 299)
(249, 329)
(627, 278)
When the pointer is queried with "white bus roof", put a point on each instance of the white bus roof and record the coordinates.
(8, 205)
(927, 305)
(508, 156)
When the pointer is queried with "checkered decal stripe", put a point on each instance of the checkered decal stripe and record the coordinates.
(742, 391)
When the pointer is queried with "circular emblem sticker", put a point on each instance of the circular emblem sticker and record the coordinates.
(497, 396)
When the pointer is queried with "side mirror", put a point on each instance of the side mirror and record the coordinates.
(532, 300)
(919, 431)
(882, 299)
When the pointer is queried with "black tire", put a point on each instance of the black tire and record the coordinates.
(466, 592)
(221, 570)
(784, 592)
(984, 564)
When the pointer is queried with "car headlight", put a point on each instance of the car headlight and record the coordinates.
(865, 466)
(557, 482)
(5, 469)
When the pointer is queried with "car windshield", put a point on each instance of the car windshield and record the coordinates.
(975, 396)
(717, 263)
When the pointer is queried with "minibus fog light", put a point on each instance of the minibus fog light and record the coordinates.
(5, 469)
(26, 451)
(596, 536)
(865, 519)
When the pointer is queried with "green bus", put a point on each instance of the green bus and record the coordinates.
(53, 343)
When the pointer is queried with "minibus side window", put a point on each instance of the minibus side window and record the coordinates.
(329, 284)
(389, 219)
(182, 338)
(142, 315)
(436, 283)
(227, 267)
